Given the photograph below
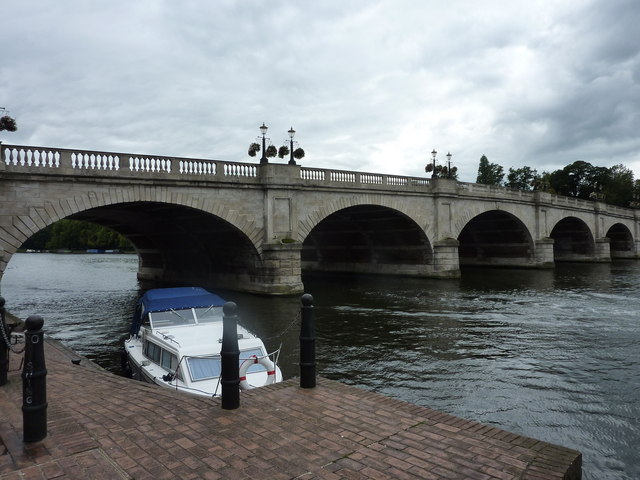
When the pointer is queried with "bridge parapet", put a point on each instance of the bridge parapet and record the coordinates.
(561, 201)
(492, 191)
(365, 179)
(60, 161)
(74, 162)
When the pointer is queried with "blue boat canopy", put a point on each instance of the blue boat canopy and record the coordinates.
(163, 299)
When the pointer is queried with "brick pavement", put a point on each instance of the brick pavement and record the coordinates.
(101, 426)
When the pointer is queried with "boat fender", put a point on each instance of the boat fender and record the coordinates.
(265, 362)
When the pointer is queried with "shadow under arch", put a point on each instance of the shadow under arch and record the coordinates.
(621, 242)
(180, 245)
(573, 241)
(496, 238)
(367, 239)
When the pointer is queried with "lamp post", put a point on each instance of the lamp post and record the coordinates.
(291, 133)
(445, 170)
(433, 162)
(272, 151)
(597, 194)
(263, 130)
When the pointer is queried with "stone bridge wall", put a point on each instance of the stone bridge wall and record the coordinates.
(271, 210)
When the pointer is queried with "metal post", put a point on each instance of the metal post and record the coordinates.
(230, 357)
(34, 382)
(4, 346)
(291, 160)
(307, 343)
(263, 130)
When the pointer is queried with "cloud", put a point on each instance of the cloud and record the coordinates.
(368, 85)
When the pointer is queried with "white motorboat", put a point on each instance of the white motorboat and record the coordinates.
(175, 342)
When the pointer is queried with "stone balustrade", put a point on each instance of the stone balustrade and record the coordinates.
(60, 161)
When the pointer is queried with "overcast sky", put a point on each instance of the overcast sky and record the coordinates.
(369, 85)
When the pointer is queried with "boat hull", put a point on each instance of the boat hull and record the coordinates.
(147, 372)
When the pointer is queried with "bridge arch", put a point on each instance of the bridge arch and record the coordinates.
(419, 214)
(621, 244)
(178, 238)
(367, 238)
(38, 218)
(498, 238)
(180, 244)
(573, 240)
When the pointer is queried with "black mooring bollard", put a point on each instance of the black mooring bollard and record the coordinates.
(34, 382)
(230, 357)
(307, 343)
(4, 346)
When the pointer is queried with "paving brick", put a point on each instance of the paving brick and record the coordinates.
(331, 432)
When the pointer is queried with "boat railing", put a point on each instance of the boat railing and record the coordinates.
(168, 337)
(275, 355)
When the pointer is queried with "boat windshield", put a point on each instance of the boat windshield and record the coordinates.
(209, 314)
(205, 368)
(172, 318)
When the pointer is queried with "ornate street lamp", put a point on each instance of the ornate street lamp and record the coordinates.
(272, 151)
(433, 163)
(291, 133)
(446, 170)
(263, 130)
(285, 150)
(597, 194)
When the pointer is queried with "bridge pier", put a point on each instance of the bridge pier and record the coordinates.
(446, 263)
(543, 254)
(280, 273)
(603, 250)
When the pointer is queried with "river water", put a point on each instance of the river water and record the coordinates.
(548, 354)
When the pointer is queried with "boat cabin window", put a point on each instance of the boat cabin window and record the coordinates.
(169, 361)
(152, 351)
(208, 314)
(172, 318)
(206, 368)
(162, 357)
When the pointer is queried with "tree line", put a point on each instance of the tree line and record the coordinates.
(77, 235)
(614, 185)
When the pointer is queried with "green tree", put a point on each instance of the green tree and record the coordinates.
(489, 173)
(614, 185)
(619, 189)
(76, 235)
(524, 178)
(574, 180)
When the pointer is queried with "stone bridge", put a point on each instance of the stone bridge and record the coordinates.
(259, 227)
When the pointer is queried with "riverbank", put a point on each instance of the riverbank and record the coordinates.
(104, 426)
